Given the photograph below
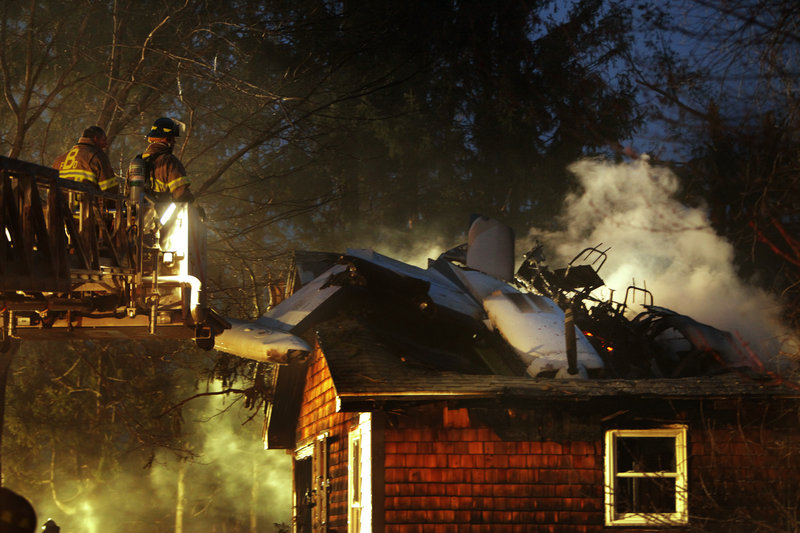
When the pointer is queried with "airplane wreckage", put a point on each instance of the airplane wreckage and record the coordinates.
(139, 270)
(469, 311)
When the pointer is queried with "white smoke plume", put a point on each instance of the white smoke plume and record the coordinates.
(653, 241)
(657, 242)
(232, 483)
(233, 477)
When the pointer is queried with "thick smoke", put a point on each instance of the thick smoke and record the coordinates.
(232, 483)
(653, 241)
(233, 479)
(656, 242)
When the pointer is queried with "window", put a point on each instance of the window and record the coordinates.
(359, 476)
(354, 481)
(646, 477)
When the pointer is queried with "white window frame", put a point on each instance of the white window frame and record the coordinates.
(354, 478)
(680, 474)
(360, 503)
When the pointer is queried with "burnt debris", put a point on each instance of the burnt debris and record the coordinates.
(468, 313)
(657, 342)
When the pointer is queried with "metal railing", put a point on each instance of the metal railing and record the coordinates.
(73, 257)
(56, 233)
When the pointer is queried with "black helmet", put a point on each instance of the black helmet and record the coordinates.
(164, 128)
(50, 527)
(17, 513)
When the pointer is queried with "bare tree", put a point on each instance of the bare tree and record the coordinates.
(724, 80)
(40, 64)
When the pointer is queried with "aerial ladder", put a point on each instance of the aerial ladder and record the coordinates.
(76, 262)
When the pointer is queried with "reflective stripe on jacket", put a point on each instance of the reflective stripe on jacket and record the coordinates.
(86, 163)
(168, 171)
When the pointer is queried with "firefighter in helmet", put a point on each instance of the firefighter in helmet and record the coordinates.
(167, 176)
(87, 161)
(50, 527)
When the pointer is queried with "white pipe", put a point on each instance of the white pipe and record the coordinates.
(194, 296)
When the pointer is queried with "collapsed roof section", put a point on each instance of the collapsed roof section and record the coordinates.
(468, 313)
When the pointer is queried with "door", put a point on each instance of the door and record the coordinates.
(311, 484)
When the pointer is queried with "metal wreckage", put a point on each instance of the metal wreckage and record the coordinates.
(468, 311)
(138, 270)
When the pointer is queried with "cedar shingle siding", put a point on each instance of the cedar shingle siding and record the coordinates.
(318, 415)
(465, 478)
(483, 467)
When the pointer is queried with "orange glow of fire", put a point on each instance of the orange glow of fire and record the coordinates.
(602, 342)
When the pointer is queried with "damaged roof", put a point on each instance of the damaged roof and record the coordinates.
(367, 373)
(467, 326)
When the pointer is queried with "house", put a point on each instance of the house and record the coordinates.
(412, 409)
(381, 447)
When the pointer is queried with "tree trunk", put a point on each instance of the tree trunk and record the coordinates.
(180, 497)
(254, 497)
(6, 356)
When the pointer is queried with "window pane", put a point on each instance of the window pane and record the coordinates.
(646, 454)
(354, 475)
(645, 495)
(355, 470)
(355, 520)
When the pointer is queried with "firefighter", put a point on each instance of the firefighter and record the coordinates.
(87, 161)
(50, 527)
(167, 176)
